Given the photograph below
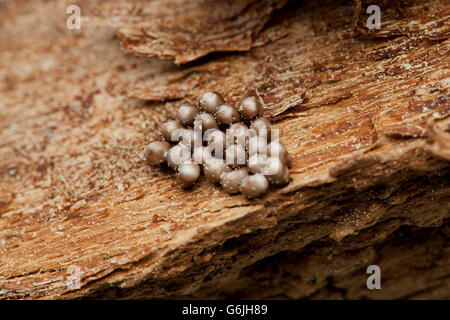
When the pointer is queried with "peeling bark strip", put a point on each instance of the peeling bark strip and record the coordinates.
(365, 118)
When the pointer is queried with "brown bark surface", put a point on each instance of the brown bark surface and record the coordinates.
(365, 115)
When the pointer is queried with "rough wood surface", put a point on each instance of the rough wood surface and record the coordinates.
(366, 118)
(187, 30)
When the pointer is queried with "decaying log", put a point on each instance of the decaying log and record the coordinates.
(365, 114)
(187, 30)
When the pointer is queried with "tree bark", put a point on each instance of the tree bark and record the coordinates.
(364, 113)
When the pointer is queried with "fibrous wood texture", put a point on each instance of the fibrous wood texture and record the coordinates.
(365, 114)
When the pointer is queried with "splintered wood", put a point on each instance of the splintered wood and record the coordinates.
(364, 113)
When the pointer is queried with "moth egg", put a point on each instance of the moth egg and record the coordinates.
(281, 178)
(262, 126)
(231, 181)
(186, 137)
(214, 170)
(257, 162)
(216, 140)
(206, 121)
(235, 155)
(178, 155)
(250, 108)
(201, 155)
(188, 174)
(277, 149)
(169, 127)
(257, 145)
(276, 171)
(238, 133)
(227, 114)
(186, 114)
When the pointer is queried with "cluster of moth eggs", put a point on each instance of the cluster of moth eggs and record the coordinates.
(239, 149)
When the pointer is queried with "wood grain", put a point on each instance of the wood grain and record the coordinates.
(365, 118)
